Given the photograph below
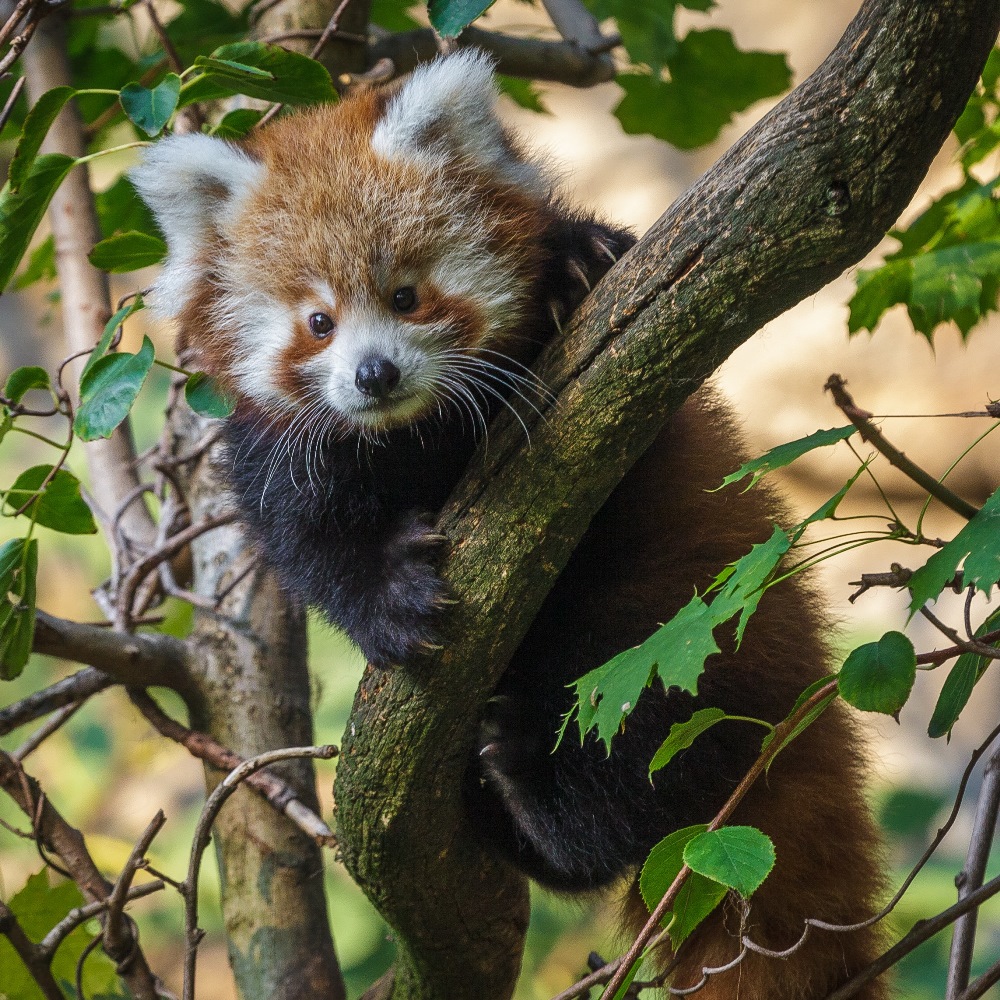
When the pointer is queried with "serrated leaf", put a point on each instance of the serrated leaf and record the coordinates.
(978, 543)
(60, 506)
(878, 676)
(107, 335)
(108, 390)
(23, 380)
(150, 108)
(127, 252)
(710, 81)
(646, 29)
(22, 211)
(739, 857)
(958, 685)
(236, 124)
(18, 569)
(683, 734)
(697, 897)
(785, 454)
(205, 397)
(277, 75)
(449, 17)
(36, 126)
(38, 907)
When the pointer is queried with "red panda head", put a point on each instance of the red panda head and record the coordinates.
(355, 257)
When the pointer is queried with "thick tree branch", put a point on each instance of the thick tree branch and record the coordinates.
(536, 59)
(805, 194)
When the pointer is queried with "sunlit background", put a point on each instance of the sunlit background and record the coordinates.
(108, 772)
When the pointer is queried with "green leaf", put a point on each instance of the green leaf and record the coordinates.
(150, 108)
(127, 252)
(807, 720)
(108, 334)
(236, 124)
(21, 212)
(958, 685)
(23, 380)
(41, 265)
(267, 72)
(978, 543)
(108, 390)
(36, 127)
(710, 81)
(18, 569)
(878, 676)
(121, 210)
(683, 734)
(393, 15)
(523, 93)
(203, 25)
(205, 397)
(59, 506)
(449, 17)
(785, 454)
(740, 857)
(38, 907)
(697, 897)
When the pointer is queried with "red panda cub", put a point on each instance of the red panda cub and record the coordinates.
(372, 281)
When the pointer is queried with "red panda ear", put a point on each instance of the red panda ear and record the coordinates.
(194, 185)
(446, 111)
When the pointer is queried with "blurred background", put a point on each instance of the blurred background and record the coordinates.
(108, 772)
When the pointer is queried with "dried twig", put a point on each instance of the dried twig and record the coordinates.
(214, 803)
(870, 433)
(40, 735)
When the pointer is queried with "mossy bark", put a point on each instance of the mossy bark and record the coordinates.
(805, 194)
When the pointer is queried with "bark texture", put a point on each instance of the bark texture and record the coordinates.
(801, 197)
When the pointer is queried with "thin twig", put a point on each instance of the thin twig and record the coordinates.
(870, 433)
(267, 785)
(971, 877)
(76, 687)
(213, 804)
(40, 735)
(34, 960)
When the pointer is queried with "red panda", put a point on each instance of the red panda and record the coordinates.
(372, 281)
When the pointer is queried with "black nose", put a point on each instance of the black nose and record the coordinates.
(377, 377)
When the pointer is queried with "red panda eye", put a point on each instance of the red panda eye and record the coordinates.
(404, 300)
(321, 325)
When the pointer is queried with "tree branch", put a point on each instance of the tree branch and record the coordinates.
(846, 150)
(78, 686)
(34, 959)
(562, 62)
(152, 659)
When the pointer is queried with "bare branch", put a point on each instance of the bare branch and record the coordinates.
(77, 687)
(58, 836)
(266, 784)
(971, 877)
(143, 659)
(213, 804)
(987, 980)
(40, 735)
(870, 433)
(533, 58)
(34, 959)
(579, 27)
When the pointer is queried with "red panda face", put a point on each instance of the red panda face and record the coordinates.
(360, 260)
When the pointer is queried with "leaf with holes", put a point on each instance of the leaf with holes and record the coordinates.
(59, 505)
(150, 108)
(739, 857)
(108, 390)
(878, 676)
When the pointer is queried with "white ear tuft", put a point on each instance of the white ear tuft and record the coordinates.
(191, 183)
(446, 111)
